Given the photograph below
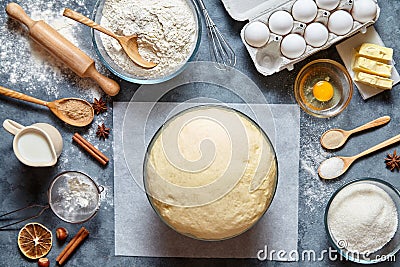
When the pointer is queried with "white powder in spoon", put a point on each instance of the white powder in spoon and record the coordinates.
(166, 33)
(364, 217)
(331, 167)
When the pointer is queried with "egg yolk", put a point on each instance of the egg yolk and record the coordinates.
(323, 91)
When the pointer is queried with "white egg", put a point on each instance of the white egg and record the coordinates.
(293, 46)
(316, 34)
(256, 34)
(280, 22)
(364, 10)
(340, 22)
(328, 4)
(304, 10)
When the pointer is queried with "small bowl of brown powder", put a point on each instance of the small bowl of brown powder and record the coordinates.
(168, 34)
(362, 221)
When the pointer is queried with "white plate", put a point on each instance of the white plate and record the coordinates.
(346, 50)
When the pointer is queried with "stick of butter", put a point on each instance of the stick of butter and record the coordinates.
(373, 80)
(374, 51)
(372, 67)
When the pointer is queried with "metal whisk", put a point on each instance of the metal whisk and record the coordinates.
(221, 52)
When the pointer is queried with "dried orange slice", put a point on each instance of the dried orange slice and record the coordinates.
(34, 240)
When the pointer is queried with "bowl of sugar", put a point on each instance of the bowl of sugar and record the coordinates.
(362, 221)
(168, 34)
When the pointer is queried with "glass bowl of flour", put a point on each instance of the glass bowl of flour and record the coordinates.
(362, 221)
(168, 34)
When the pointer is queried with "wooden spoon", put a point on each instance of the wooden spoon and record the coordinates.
(336, 166)
(128, 43)
(335, 138)
(56, 107)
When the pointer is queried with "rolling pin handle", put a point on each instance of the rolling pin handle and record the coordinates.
(15, 11)
(108, 85)
(62, 49)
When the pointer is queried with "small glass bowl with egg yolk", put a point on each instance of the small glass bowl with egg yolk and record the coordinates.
(323, 88)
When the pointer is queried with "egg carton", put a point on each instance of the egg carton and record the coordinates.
(269, 58)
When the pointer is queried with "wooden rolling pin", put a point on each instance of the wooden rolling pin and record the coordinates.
(62, 49)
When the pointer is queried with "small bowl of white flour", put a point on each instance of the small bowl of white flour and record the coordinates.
(362, 221)
(168, 34)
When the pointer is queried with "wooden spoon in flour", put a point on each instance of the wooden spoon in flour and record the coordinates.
(128, 43)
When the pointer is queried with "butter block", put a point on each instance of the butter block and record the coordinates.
(374, 67)
(373, 80)
(374, 51)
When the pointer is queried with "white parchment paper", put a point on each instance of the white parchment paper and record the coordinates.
(140, 232)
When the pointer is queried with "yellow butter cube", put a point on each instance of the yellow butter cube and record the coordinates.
(376, 52)
(372, 67)
(373, 80)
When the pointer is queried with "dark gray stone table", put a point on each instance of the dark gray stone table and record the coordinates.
(21, 185)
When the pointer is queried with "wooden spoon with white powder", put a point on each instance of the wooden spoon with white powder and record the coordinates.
(336, 166)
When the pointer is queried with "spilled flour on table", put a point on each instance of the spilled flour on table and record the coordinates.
(107, 196)
(28, 68)
(315, 191)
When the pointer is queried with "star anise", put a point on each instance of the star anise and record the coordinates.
(102, 131)
(99, 106)
(393, 161)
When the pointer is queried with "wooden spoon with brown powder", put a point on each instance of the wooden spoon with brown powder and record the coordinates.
(74, 111)
(335, 138)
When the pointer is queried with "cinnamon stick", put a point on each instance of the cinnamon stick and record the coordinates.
(88, 147)
(91, 146)
(72, 246)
